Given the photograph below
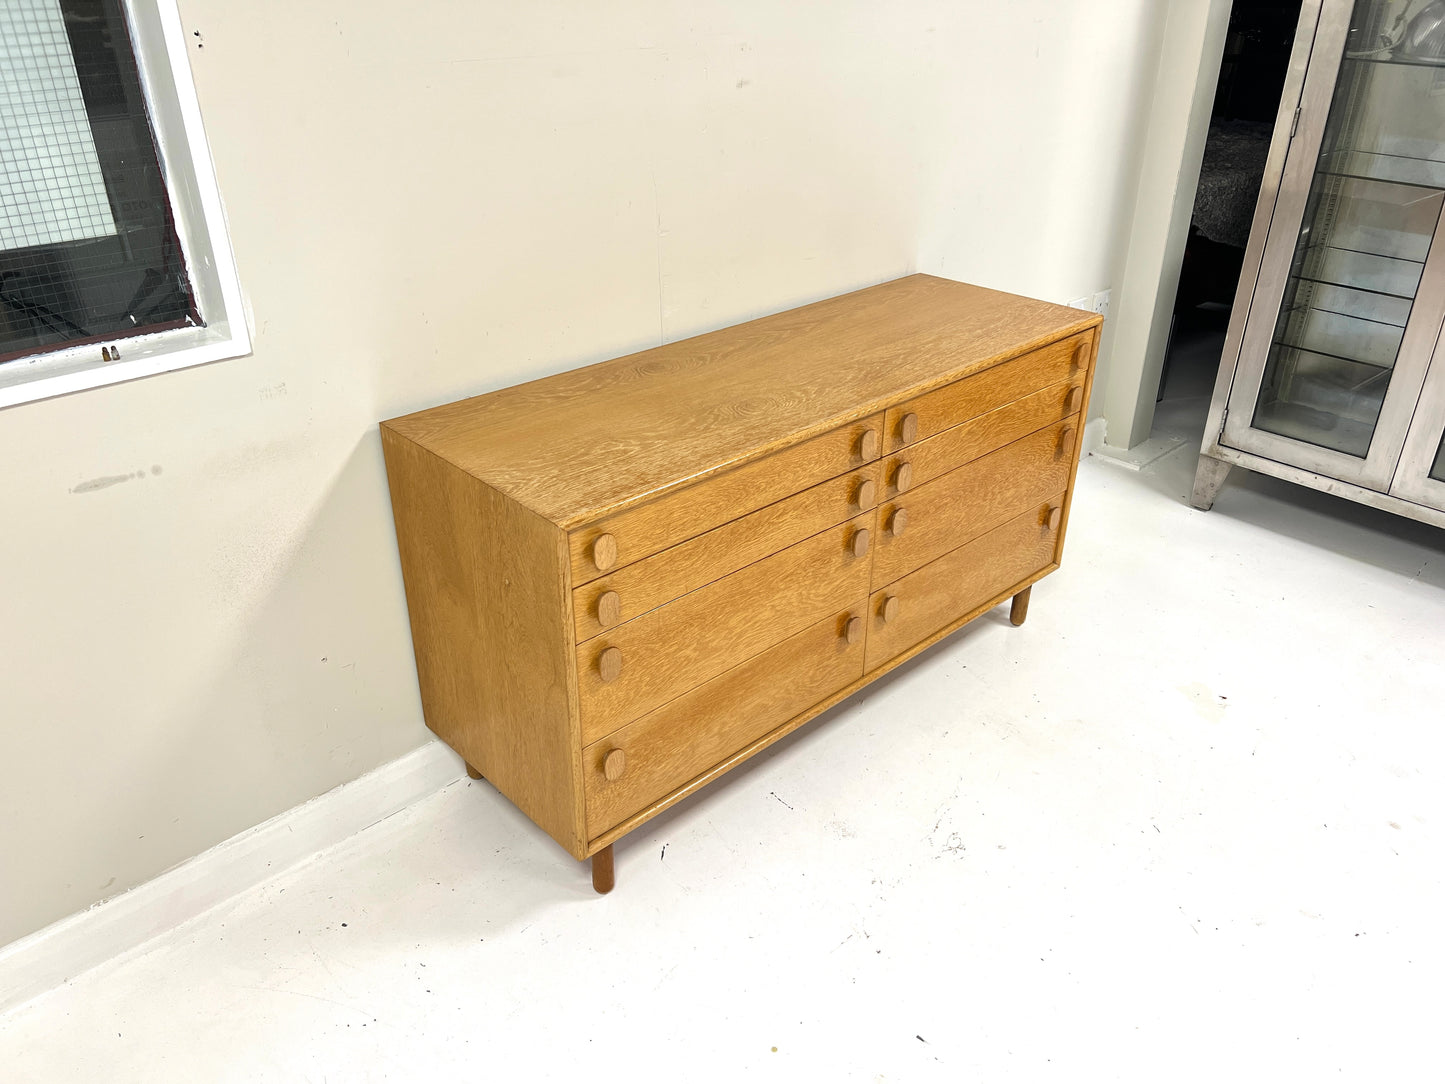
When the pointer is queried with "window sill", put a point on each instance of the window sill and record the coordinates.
(45, 376)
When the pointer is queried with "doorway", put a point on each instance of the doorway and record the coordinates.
(1246, 102)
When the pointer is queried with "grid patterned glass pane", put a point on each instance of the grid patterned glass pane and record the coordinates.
(1369, 221)
(52, 189)
(88, 248)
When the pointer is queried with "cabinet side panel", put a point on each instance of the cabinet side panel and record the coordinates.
(488, 594)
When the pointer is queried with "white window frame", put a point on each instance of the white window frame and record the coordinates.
(190, 177)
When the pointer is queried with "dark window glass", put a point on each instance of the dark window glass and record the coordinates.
(129, 280)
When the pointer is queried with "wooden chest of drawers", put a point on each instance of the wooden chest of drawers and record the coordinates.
(626, 579)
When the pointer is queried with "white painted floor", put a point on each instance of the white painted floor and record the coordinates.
(1185, 824)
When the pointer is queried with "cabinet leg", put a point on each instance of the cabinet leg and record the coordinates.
(602, 873)
(472, 773)
(1020, 607)
(1207, 479)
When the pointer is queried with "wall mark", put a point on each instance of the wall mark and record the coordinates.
(108, 480)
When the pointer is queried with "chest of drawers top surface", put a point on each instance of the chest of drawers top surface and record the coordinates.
(588, 443)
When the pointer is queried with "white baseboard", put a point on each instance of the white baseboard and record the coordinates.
(1141, 455)
(1093, 435)
(64, 949)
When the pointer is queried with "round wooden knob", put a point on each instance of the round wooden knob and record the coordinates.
(898, 522)
(865, 494)
(903, 477)
(853, 630)
(1054, 516)
(889, 609)
(860, 542)
(908, 427)
(604, 552)
(1075, 400)
(609, 607)
(1081, 351)
(614, 764)
(609, 663)
(868, 444)
(1066, 440)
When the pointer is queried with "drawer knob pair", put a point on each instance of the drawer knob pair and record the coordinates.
(908, 428)
(604, 552)
(853, 630)
(1053, 515)
(902, 477)
(868, 444)
(609, 664)
(865, 494)
(859, 544)
(898, 522)
(614, 764)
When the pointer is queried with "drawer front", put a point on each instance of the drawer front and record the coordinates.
(642, 587)
(911, 467)
(941, 592)
(964, 503)
(627, 671)
(679, 741)
(617, 541)
(935, 411)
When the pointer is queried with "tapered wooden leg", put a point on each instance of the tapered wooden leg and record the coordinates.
(602, 878)
(1208, 477)
(472, 773)
(1020, 608)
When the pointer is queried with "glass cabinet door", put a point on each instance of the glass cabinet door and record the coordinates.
(1351, 273)
(1421, 474)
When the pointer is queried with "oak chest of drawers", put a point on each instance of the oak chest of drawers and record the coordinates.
(626, 579)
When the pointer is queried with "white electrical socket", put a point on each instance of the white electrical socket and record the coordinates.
(1085, 302)
(1100, 303)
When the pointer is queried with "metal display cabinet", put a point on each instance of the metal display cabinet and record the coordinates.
(1333, 373)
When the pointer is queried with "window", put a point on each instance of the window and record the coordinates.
(114, 262)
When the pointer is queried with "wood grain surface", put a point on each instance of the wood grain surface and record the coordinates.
(585, 444)
(706, 725)
(674, 572)
(486, 588)
(697, 782)
(964, 399)
(686, 513)
(964, 443)
(1088, 357)
(940, 592)
(966, 502)
(681, 645)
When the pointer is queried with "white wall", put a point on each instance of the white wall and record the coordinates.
(435, 199)
(1191, 46)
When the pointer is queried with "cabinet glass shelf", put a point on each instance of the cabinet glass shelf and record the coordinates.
(1355, 302)
(1391, 276)
(1374, 166)
(1393, 61)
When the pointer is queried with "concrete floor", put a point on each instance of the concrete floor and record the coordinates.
(1185, 824)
